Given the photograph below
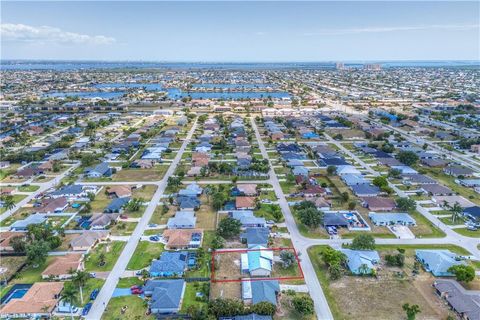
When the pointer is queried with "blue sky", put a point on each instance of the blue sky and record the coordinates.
(241, 31)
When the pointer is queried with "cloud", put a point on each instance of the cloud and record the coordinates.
(334, 32)
(46, 34)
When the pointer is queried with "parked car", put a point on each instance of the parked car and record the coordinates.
(93, 275)
(123, 216)
(136, 290)
(86, 309)
(154, 238)
(152, 225)
(94, 294)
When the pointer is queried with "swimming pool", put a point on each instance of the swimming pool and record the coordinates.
(16, 292)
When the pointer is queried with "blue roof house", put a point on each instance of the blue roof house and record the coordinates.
(116, 205)
(182, 220)
(256, 237)
(166, 295)
(248, 219)
(309, 135)
(365, 190)
(361, 261)
(188, 202)
(191, 190)
(257, 291)
(170, 264)
(100, 170)
(354, 179)
(438, 261)
(258, 262)
(22, 225)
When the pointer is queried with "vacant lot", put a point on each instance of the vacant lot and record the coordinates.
(10, 265)
(145, 252)
(227, 266)
(353, 297)
(154, 174)
(108, 252)
(232, 290)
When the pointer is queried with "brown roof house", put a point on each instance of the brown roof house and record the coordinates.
(119, 191)
(6, 237)
(39, 301)
(62, 267)
(245, 203)
(378, 203)
(52, 205)
(248, 189)
(182, 238)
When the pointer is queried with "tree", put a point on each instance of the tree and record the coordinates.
(462, 272)
(397, 260)
(394, 173)
(287, 258)
(364, 269)
(18, 244)
(229, 228)
(310, 217)
(363, 242)
(217, 242)
(225, 307)
(37, 252)
(69, 295)
(8, 202)
(411, 310)
(80, 278)
(407, 157)
(135, 204)
(344, 197)
(335, 271)
(303, 304)
(380, 181)
(331, 170)
(456, 211)
(406, 204)
(264, 308)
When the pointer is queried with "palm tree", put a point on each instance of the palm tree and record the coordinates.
(456, 210)
(363, 269)
(80, 278)
(8, 202)
(69, 295)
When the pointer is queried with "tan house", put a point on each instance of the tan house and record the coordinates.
(62, 266)
(119, 191)
(39, 301)
(6, 237)
(182, 238)
(88, 239)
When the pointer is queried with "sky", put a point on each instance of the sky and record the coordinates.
(241, 31)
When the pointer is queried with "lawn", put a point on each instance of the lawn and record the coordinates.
(111, 250)
(158, 217)
(425, 228)
(30, 274)
(145, 252)
(468, 233)
(16, 198)
(128, 282)
(28, 188)
(266, 211)
(190, 297)
(123, 228)
(154, 174)
(92, 284)
(136, 309)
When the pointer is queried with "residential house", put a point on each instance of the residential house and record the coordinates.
(378, 203)
(182, 220)
(436, 190)
(248, 219)
(99, 221)
(22, 225)
(472, 213)
(182, 238)
(257, 262)
(100, 170)
(466, 303)
(255, 237)
(438, 261)
(166, 295)
(117, 205)
(251, 316)
(52, 205)
(312, 191)
(170, 264)
(27, 173)
(458, 171)
(247, 189)
(61, 267)
(88, 239)
(119, 191)
(365, 190)
(192, 190)
(388, 219)
(361, 261)
(74, 192)
(40, 301)
(335, 219)
(257, 291)
(245, 203)
(6, 238)
(354, 179)
(347, 169)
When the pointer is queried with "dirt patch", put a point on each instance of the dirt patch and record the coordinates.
(227, 266)
(232, 290)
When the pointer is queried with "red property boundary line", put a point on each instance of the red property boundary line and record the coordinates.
(214, 253)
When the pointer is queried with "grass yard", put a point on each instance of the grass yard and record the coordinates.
(28, 188)
(468, 233)
(206, 216)
(16, 198)
(160, 218)
(190, 298)
(11, 265)
(136, 309)
(145, 252)
(29, 274)
(154, 174)
(425, 228)
(128, 282)
(232, 290)
(122, 228)
(111, 250)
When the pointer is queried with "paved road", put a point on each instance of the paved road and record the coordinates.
(300, 243)
(43, 187)
(118, 270)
